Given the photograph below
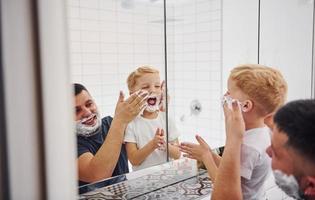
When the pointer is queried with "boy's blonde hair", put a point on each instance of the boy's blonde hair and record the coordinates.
(263, 85)
(140, 71)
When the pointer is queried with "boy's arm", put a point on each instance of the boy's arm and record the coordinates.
(228, 179)
(210, 164)
(174, 149)
(137, 156)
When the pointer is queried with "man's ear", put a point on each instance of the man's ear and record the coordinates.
(309, 190)
(247, 106)
(268, 120)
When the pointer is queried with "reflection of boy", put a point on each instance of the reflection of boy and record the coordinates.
(260, 91)
(145, 135)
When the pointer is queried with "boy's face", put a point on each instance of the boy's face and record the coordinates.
(150, 82)
(236, 93)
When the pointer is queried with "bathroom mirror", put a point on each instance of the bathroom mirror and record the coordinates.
(108, 39)
(194, 54)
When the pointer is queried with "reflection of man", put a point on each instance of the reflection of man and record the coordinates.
(292, 152)
(101, 153)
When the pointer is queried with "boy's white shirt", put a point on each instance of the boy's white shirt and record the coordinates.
(142, 130)
(255, 163)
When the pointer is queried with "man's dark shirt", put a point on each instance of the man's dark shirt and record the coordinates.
(93, 143)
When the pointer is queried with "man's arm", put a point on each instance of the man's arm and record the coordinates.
(102, 164)
(228, 179)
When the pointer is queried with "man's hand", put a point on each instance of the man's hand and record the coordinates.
(196, 151)
(234, 122)
(127, 110)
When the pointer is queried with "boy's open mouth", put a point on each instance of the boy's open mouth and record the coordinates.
(151, 101)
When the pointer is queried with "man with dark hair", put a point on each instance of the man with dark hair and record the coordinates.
(293, 149)
(101, 153)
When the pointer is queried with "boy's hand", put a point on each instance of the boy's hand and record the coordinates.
(127, 110)
(162, 104)
(234, 122)
(196, 151)
(158, 139)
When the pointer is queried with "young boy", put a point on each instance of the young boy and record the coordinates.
(145, 135)
(260, 91)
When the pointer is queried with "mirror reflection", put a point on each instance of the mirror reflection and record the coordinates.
(118, 45)
(109, 40)
(194, 37)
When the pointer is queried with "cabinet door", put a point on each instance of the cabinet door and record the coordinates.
(286, 32)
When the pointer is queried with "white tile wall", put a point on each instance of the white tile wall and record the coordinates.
(108, 41)
(194, 66)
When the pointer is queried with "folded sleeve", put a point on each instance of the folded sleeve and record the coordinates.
(130, 134)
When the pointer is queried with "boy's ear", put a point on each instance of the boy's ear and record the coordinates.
(268, 120)
(247, 106)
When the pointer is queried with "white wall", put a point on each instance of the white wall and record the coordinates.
(240, 34)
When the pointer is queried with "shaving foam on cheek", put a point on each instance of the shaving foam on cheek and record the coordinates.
(229, 100)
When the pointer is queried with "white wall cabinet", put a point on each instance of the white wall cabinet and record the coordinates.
(286, 38)
(285, 29)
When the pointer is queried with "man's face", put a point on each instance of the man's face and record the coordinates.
(281, 155)
(85, 107)
(292, 164)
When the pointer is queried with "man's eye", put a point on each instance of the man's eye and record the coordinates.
(89, 104)
(145, 87)
(77, 110)
(157, 86)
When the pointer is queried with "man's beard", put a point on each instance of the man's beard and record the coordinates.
(288, 184)
(85, 130)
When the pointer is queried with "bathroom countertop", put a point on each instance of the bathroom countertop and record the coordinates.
(179, 179)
